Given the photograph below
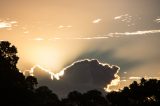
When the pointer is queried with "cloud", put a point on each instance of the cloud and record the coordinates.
(7, 24)
(79, 38)
(89, 38)
(135, 78)
(127, 19)
(157, 20)
(136, 32)
(109, 35)
(52, 75)
(37, 39)
(82, 75)
(62, 26)
(146, 77)
(124, 17)
(96, 21)
(113, 83)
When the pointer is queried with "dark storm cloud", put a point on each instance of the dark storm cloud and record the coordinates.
(109, 55)
(82, 75)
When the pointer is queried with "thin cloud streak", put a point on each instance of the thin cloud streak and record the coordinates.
(135, 78)
(62, 26)
(121, 16)
(96, 21)
(89, 38)
(158, 20)
(136, 32)
(110, 35)
(70, 38)
(138, 78)
(7, 24)
(37, 39)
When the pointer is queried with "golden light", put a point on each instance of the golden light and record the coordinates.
(52, 75)
(45, 56)
(114, 82)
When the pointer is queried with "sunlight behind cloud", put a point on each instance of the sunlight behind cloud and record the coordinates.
(114, 83)
(52, 75)
(47, 57)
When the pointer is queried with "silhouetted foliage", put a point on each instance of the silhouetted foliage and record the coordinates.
(44, 96)
(145, 93)
(18, 90)
(31, 82)
(90, 98)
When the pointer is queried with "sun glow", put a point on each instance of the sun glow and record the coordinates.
(45, 56)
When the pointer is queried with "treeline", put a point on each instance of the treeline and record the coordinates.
(18, 90)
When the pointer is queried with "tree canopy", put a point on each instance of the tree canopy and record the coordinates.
(19, 90)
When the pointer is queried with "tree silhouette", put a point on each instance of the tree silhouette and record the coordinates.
(45, 97)
(74, 98)
(94, 98)
(145, 93)
(18, 90)
(10, 75)
(31, 82)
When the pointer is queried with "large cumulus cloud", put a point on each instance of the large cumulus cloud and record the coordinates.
(82, 75)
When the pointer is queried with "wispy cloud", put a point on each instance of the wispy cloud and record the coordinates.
(135, 78)
(109, 35)
(158, 20)
(116, 34)
(121, 17)
(37, 39)
(5, 24)
(96, 21)
(127, 19)
(136, 32)
(63, 26)
(71, 38)
(89, 38)
(138, 78)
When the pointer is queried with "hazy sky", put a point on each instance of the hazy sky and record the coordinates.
(56, 33)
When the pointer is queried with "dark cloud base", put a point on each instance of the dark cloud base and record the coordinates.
(82, 75)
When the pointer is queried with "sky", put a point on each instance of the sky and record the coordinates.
(53, 35)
